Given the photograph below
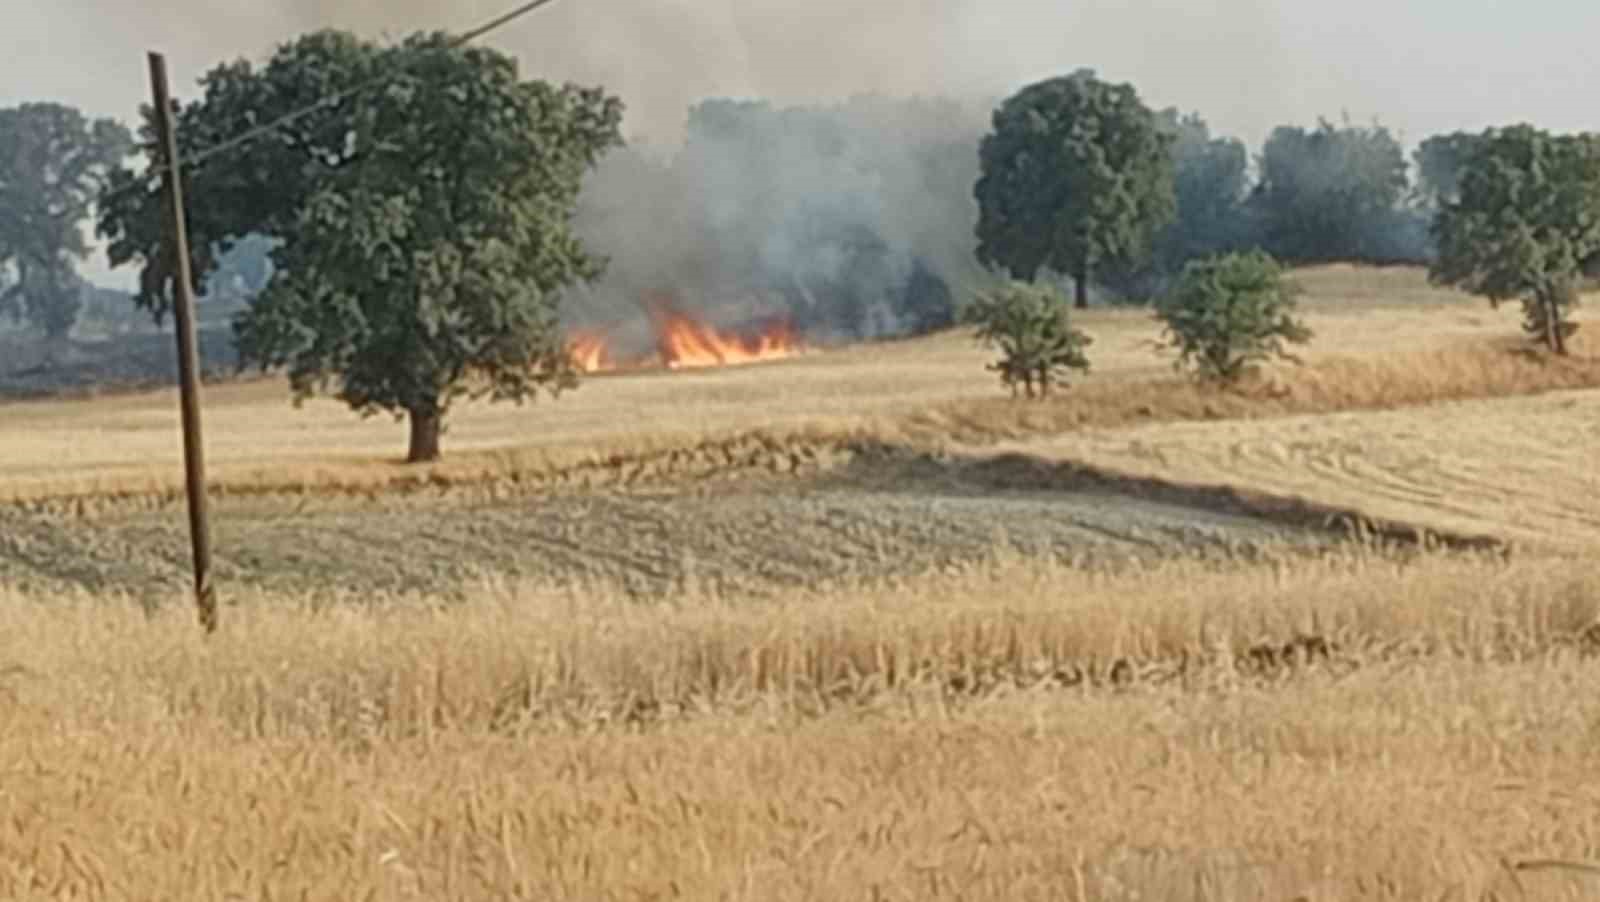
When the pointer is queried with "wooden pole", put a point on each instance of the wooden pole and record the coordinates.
(188, 354)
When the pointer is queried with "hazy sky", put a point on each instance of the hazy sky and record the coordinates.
(1419, 66)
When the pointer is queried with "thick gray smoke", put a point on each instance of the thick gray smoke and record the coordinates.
(661, 56)
(1254, 64)
(853, 219)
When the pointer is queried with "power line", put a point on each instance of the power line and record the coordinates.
(332, 100)
(299, 114)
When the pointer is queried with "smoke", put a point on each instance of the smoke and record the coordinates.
(1338, 193)
(850, 218)
(1248, 64)
(661, 56)
(854, 219)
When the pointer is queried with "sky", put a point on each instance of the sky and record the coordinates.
(1417, 66)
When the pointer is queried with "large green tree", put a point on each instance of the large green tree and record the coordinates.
(1332, 193)
(53, 162)
(1526, 221)
(1075, 173)
(423, 227)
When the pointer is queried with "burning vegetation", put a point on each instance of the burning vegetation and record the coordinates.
(589, 351)
(683, 340)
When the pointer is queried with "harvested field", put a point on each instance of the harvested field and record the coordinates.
(1351, 729)
(852, 625)
(1439, 347)
(748, 537)
(1527, 469)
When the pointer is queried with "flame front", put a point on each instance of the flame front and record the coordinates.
(685, 342)
(588, 352)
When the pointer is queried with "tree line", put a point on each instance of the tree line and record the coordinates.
(411, 244)
(1079, 177)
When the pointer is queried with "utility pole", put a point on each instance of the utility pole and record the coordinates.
(188, 353)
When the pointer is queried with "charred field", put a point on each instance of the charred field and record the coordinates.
(842, 620)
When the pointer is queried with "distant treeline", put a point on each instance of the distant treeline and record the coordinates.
(860, 216)
(857, 218)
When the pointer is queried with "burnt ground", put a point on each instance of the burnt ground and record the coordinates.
(746, 537)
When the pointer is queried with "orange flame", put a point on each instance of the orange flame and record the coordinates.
(588, 351)
(687, 343)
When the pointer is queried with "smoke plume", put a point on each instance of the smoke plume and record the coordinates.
(853, 219)
(1248, 64)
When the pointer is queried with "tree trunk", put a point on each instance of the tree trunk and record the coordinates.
(1552, 324)
(1081, 286)
(425, 429)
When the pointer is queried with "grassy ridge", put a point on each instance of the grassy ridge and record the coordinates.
(1388, 382)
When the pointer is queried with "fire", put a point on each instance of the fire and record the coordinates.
(588, 352)
(686, 342)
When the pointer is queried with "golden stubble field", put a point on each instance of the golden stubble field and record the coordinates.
(1384, 337)
(1321, 722)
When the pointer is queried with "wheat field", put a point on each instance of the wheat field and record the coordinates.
(1526, 469)
(1384, 338)
(1324, 721)
(1355, 728)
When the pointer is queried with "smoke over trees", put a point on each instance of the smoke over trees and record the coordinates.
(1211, 178)
(854, 219)
(1439, 162)
(857, 219)
(1335, 193)
(53, 160)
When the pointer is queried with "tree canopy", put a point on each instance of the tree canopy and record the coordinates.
(1332, 193)
(1075, 173)
(1526, 222)
(1212, 180)
(1439, 160)
(53, 161)
(423, 228)
(1230, 311)
(1029, 324)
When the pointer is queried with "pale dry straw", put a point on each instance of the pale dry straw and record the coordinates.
(916, 739)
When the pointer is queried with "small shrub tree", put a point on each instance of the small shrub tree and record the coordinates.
(1030, 326)
(1229, 311)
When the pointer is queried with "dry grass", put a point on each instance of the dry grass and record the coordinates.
(1348, 727)
(778, 445)
(1396, 380)
(964, 738)
(1527, 469)
(785, 416)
